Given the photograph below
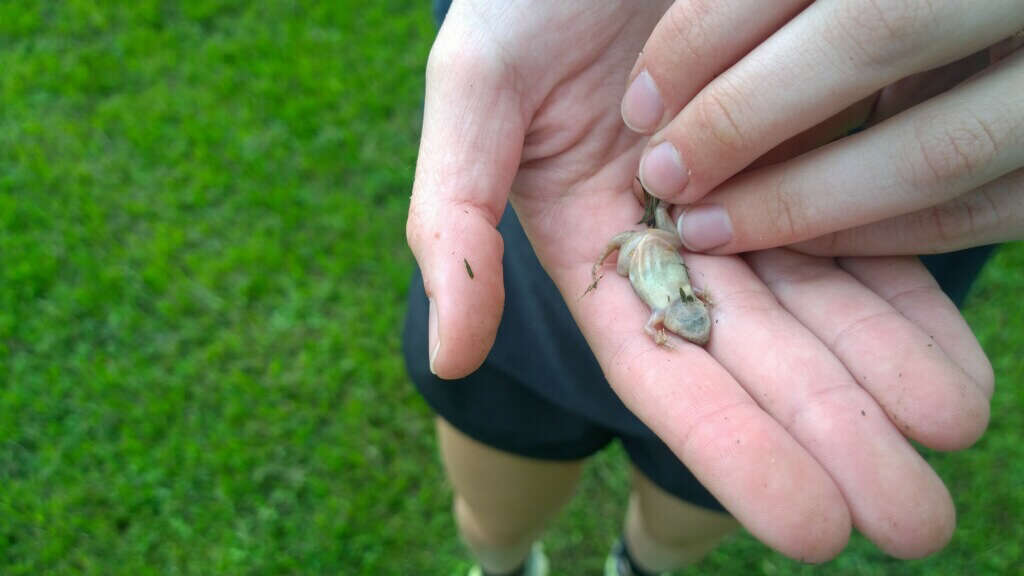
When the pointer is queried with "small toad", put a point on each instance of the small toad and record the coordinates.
(651, 259)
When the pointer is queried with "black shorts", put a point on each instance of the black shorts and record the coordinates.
(540, 393)
(493, 407)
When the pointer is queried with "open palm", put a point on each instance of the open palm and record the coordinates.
(795, 415)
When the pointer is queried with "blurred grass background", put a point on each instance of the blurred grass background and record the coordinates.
(202, 281)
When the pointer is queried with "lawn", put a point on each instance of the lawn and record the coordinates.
(202, 283)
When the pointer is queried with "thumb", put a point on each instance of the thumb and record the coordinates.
(469, 153)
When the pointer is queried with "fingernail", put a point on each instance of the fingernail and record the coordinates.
(433, 341)
(642, 107)
(662, 171)
(704, 227)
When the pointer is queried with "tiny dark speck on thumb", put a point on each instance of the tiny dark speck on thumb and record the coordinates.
(468, 269)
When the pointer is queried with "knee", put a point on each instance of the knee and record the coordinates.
(676, 535)
(488, 530)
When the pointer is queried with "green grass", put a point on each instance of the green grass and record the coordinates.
(202, 283)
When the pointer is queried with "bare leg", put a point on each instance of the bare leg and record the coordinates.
(502, 501)
(665, 533)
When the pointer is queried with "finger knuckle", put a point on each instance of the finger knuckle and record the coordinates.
(954, 148)
(949, 223)
(719, 110)
(705, 432)
(954, 224)
(982, 212)
(864, 329)
(818, 409)
(785, 212)
(987, 211)
(882, 32)
(479, 63)
(414, 226)
(442, 57)
(685, 28)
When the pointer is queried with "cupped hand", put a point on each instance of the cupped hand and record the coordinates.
(796, 415)
(940, 166)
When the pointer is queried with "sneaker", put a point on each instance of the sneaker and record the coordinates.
(536, 563)
(617, 563)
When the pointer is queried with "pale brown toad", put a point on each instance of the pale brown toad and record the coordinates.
(651, 259)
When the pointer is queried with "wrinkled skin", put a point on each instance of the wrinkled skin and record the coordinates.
(797, 414)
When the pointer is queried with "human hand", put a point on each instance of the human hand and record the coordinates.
(787, 416)
(939, 168)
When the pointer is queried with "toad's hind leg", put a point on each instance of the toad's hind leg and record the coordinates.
(614, 244)
(661, 338)
(657, 316)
